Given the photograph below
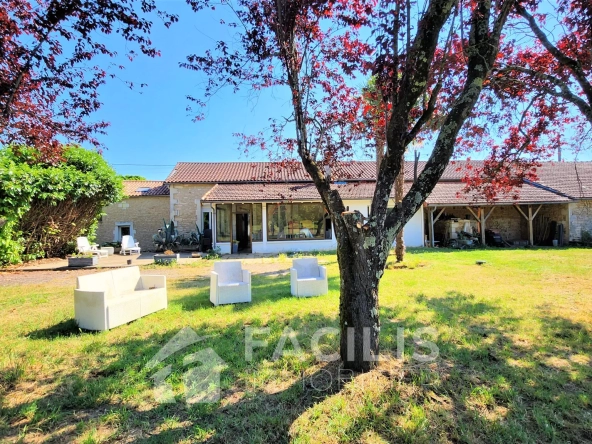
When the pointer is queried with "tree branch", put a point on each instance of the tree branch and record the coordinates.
(426, 115)
(482, 53)
(571, 64)
(565, 93)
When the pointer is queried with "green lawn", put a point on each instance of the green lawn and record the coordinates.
(514, 365)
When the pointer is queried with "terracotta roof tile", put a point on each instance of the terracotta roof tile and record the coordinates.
(235, 172)
(131, 188)
(255, 192)
(451, 193)
(568, 178)
(573, 179)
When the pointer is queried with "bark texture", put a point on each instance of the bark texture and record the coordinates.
(399, 193)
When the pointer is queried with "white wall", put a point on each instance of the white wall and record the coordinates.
(290, 246)
(413, 235)
(414, 231)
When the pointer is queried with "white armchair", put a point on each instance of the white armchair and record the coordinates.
(84, 246)
(128, 245)
(307, 278)
(229, 283)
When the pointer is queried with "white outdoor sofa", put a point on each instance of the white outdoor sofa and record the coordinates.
(307, 278)
(229, 283)
(129, 245)
(106, 300)
(84, 246)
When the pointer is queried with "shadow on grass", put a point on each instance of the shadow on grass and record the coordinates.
(63, 329)
(109, 387)
(490, 382)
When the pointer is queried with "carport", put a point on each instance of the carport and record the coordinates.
(525, 215)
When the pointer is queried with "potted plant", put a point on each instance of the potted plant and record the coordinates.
(167, 257)
(115, 245)
(82, 260)
(235, 247)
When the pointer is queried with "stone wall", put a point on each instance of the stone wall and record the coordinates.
(185, 205)
(549, 213)
(580, 219)
(144, 214)
(513, 226)
(505, 219)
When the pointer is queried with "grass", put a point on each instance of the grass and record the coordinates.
(514, 364)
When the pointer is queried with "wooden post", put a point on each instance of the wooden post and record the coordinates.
(431, 226)
(483, 219)
(530, 231)
(529, 219)
(432, 222)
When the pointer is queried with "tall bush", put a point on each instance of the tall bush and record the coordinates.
(45, 206)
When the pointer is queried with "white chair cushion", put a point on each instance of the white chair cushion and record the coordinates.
(96, 282)
(306, 267)
(125, 280)
(228, 272)
(232, 284)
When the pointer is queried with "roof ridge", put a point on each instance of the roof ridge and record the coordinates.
(547, 188)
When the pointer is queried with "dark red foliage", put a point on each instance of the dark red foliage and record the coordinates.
(539, 98)
(49, 79)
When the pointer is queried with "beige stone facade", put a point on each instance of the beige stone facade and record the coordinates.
(186, 206)
(580, 219)
(505, 219)
(193, 189)
(143, 215)
(511, 225)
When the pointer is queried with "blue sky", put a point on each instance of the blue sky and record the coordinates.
(150, 126)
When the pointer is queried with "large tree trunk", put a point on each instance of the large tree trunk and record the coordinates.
(399, 194)
(358, 306)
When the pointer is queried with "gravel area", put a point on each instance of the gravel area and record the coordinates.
(67, 277)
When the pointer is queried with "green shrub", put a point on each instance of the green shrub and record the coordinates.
(45, 206)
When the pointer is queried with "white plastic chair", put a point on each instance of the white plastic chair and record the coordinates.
(128, 245)
(84, 246)
(229, 283)
(308, 278)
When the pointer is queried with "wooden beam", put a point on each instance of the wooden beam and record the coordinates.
(489, 214)
(432, 221)
(472, 212)
(537, 211)
(439, 214)
(520, 211)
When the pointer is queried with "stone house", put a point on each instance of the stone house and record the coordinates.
(261, 208)
(140, 214)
